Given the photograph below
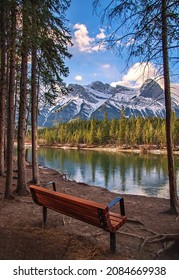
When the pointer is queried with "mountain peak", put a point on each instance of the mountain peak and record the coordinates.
(99, 86)
(151, 89)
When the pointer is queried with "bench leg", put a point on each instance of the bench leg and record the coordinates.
(44, 215)
(113, 242)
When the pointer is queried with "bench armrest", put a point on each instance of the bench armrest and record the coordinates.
(121, 202)
(48, 183)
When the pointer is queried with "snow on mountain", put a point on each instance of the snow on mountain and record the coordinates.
(83, 102)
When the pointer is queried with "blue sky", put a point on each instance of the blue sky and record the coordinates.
(91, 62)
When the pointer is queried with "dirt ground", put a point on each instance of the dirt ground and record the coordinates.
(22, 236)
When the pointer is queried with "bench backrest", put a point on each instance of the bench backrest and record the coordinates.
(85, 210)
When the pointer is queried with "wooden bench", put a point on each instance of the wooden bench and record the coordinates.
(96, 214)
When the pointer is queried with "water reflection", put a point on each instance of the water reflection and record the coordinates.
(118, 172)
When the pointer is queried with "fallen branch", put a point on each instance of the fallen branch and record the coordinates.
(135, 221)
(159, 238)
(149, 230)
(131, 234)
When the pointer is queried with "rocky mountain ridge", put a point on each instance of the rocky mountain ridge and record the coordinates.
(83, 102)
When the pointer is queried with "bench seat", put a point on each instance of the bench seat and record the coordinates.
(88, 211)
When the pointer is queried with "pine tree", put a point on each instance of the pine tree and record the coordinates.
(174, 127)
(22, 183)
(132, 127)
(45, 35)
(10, 101)
(53, 41)
(122, 124)
(105, 130)
(113, 131)
(34, 94)
(151, 33)
(3, 52)
(92, 135)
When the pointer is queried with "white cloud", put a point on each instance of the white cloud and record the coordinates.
(139, 72)
(106, 66)
(84, 42)
(137, 75)
(175, 90)
(101, 35)
(122, 83)
(130, 42)
(78, 78)
(81, 37)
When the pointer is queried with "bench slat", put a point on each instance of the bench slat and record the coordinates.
(65, 197)
(43, 198)
(73, 211)
(117, 220)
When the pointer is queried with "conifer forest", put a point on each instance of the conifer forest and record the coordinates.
(124, 131)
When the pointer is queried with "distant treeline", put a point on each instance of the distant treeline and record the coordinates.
(124, 131)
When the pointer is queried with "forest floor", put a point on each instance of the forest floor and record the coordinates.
(22, 236)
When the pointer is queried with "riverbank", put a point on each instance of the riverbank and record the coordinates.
(22, 235)
(150, 149)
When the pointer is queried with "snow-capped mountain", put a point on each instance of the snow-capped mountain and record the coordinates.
(83, 102)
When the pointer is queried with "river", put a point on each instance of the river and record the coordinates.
(128, 173)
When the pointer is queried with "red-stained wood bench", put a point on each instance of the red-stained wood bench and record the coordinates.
(96, 214)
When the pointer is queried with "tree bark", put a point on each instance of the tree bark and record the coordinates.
(171, 169)
(10, 111)
(22, 183)
(2, 86)
(34, 106)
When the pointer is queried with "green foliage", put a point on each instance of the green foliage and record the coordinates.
(130, 131)
(137, 27)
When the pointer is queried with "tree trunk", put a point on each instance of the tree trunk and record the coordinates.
(21, 183)
(34, 106)
(2, 85)
(171, 169)
(10, 111)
